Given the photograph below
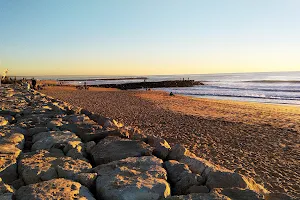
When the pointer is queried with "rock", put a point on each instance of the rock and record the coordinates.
(71, 145)
(40, 166)
(161, 146)
(89, 146)
(182, 186)
(5, 189)
(228, 179)
(55, 123)
(16, 139)
(8, 162)
(73, 119)
(69, 168)
(3, 121)
(181, 177)
(177, 152)
(18, 183)
(132, 178)
(80, 129)
(35, 130)
(115, 148)
(54, 189)
(7, 196)
(135, 134)
(101, 134)
(198, 165)
(46, 140)
(111, 124)
(198, 189)
(176, 170)
(10, 119)
(87, 179)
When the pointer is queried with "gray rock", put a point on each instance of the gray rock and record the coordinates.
(198, 189)
(55, 123)
(101, 134)
(3, 121)
(177, 152)
(8, 162)
(35, 130)
(181, 177)
(18, 183)
(161, 146)
(89, 146)
(40, 166)
(87, 179)
(54, 189)
(228, 179)
(47, 140)
(6, 191)
(115, 148)
(133, 178)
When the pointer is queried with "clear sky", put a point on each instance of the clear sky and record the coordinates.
(141, 37)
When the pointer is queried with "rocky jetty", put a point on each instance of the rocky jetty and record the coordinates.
(52, 150)
(154, 84)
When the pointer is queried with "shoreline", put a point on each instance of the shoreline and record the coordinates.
(258, 140)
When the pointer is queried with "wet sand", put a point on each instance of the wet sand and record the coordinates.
(258, 140)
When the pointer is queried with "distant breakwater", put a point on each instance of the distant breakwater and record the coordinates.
(160, 84)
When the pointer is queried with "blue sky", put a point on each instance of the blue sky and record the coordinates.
(140, 37)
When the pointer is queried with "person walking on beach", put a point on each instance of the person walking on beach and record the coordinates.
(33, 82)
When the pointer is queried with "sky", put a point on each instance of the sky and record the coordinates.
(148, 37)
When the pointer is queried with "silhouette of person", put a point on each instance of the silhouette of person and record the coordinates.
(33, 82)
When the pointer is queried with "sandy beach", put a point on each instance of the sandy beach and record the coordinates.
(258, 140)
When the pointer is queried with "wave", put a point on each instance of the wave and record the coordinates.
(253, 89)
(273, 81)
(246, 96)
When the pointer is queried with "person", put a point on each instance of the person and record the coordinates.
(33, 82)
(171, 94)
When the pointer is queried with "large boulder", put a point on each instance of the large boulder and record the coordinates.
(161, 146)
(54, 189)
(181, 177)
(40, 166)
(115, 148)
(46, 140)
(228, 179)
(100, 134)
(6, 191)
(8, 161)
(132, 178)
(17, 139)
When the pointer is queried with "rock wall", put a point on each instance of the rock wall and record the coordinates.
(52, 150)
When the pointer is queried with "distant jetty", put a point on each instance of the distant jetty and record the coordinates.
(160, 84)
(105, 79)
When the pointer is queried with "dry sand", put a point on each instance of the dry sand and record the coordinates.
(258, 140)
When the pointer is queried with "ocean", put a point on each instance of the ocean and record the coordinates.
(267, 87)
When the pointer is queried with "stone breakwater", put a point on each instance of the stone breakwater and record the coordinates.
(52, 150)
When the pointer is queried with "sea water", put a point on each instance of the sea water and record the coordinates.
(271, 87)
(276, 87)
